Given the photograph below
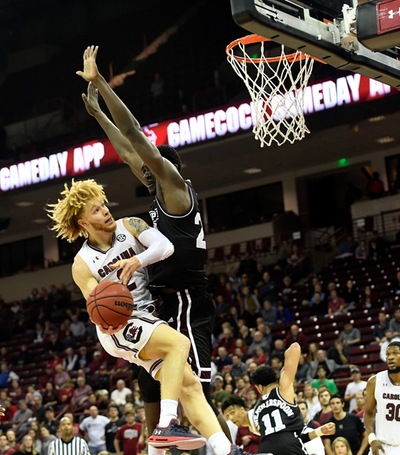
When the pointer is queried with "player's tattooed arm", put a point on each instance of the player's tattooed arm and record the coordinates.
(138, 225)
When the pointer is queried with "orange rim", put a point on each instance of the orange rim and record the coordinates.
(253, 39)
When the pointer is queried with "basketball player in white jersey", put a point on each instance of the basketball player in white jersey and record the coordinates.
(382, 411)
(118, 251)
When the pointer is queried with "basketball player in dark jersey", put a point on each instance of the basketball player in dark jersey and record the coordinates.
(181, 283)
(277, 415)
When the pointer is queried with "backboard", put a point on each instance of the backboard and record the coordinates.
(326, 29)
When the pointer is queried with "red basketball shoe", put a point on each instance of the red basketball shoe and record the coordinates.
(175, 436)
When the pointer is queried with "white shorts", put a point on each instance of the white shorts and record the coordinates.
(389, 450)
(129, 341)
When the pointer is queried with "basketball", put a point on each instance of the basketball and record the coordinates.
(110, 304)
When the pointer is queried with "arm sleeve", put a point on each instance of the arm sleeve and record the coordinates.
(158, 247)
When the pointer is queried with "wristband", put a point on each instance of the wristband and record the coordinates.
(371, 438)
(318, 432)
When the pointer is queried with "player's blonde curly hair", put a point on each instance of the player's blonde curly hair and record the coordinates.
(66, 212)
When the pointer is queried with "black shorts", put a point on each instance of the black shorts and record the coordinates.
(192, 313)
(285, 442)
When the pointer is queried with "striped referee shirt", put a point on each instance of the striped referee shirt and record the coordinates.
(76, 446)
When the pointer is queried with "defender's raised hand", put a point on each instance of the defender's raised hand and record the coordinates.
(90, 70)
(91, 100)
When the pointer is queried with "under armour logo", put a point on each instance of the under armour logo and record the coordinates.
(157, 432)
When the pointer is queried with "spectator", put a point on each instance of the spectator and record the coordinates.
(6, 375)
(348, 426)
(259, 341)
(394, 323)
(359, 410)
(356, 385)
(61, 377)
(50, 421)
(324, 415)
(279, 349)
(314, 446)
(245, 335)
(283, 314)
(348, 247)
(226, 340)
(380, 327)
(336, 304)
(322, 379)
(362, 251)
(339, 353)
(238, 368)
(310, 396)
(81, 394)
(12, 440)
(46, 438)
(112, 427)
(20, 422)
(129, 434)
(350, 335)
(84, 359)
(277, 364)
(27, 446)
(260, 357)
(296, 336)
(120, 394)
(9, 411)
(341, 446)
(368, 299)
(321, 359)
(319, 306)
(77, 327)
(65, 394)
(350, 295)
(396, 284)
(286, 289)
(249, 305)
(302, 369)
(5, 449)
(241, 348)
(375, 186)
(296, 263)
(70, 361)
(268, 313)
(389, 337)
(38, 408)
(49, 395)
(266, 289)
(94, 428)
(312, 352)
(223, 360)
(219, 393)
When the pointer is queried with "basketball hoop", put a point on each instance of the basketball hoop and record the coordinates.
(276, 85)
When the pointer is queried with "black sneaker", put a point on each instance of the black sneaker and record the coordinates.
(237, 451)
(175, 436)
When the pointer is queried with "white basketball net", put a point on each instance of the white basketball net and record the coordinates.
(277, 93)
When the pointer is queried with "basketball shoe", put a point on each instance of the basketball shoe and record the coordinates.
(175, 436)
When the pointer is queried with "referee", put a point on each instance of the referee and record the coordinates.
(67, 444)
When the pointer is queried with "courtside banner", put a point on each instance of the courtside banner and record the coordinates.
(195, 129)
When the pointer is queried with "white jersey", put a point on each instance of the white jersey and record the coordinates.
(387, 396)
(124, 246)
